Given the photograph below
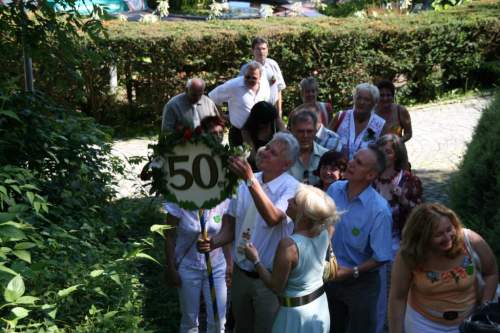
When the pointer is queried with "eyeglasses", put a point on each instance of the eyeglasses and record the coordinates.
(249, 77)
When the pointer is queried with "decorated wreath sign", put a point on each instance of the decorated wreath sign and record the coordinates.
(189, 168)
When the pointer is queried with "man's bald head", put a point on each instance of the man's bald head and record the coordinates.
(195, 88)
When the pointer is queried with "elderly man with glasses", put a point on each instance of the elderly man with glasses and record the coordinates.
(303, 127)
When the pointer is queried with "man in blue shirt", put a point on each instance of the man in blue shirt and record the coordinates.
(362, 243)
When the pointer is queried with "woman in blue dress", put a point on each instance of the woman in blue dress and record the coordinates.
(297, 276)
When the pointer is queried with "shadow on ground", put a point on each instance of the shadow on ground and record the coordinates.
(436, 184)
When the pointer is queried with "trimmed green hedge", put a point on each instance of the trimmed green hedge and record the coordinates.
(475, 189)
(431, 53)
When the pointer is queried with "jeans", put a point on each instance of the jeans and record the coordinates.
(193, 283)
(353, 303)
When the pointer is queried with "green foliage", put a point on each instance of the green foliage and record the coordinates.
(475, 189)
(440, 5)
(67, 259)
(429, 53)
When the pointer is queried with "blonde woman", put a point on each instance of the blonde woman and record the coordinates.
(297, 275)
(434, 278)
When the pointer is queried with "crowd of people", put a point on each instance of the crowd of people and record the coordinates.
(340, 181)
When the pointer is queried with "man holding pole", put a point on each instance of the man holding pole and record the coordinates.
(257, 215)
(191, 272)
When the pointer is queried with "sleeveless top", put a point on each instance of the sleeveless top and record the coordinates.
(347, 133)
(307, 276)
(395, 125)
(442, 291)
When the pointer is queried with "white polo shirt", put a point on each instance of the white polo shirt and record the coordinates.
(272, 73)
(264, 237)
(188, 232)
(240, 99)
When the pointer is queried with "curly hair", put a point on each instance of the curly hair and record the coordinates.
(419, 229)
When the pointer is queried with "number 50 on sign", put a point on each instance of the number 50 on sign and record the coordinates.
(194, 174)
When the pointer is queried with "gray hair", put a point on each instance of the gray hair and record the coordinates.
(291, 143)
(190, 83)
(372, 89)
(309, 82)
(302, 116)
(380, 158)
(254, 65)
(401, 160)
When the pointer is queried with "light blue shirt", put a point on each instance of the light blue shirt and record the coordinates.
(364, 230)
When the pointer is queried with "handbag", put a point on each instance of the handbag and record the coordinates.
(477, 265)
(486, 319)
(331, 266)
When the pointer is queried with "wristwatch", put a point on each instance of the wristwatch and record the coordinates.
(250, 182)
(355, 272)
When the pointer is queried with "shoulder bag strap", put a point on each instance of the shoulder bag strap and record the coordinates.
(341, 119)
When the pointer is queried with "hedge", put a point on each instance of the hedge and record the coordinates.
(475, 189)
(430, 53)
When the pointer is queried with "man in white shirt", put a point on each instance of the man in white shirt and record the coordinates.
(188, 108)
(257, 215)
(241, 94)
(271, 70)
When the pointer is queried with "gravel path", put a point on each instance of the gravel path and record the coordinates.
(440, 136)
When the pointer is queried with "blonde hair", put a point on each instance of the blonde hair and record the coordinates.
(316, 206)
(419, 229)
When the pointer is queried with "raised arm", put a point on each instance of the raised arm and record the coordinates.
(400, 285)
(269, 212)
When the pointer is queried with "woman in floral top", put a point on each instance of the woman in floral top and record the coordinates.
(360, 126)
(403, 191)
(401, 188)
(435, 275)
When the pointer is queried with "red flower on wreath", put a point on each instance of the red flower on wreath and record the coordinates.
(188, 134)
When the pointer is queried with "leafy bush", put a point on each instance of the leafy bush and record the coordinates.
(67, 255)
(429, 53)
(475, 189)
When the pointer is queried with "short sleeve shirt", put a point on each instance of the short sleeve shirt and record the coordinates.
(272, 73)
(364, 229)
(265, 238)
(240, 99)
(188, 232)
(179, 111)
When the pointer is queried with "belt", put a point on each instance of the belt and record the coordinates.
(447, 315)
(291, 302)
(252, 275)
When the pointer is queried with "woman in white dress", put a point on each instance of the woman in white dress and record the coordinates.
(297, 276)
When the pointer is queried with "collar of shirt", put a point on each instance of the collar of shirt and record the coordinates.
(317, 150)
(274, 184)
(363, 197)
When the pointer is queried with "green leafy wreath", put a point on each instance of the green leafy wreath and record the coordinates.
(181, 136)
